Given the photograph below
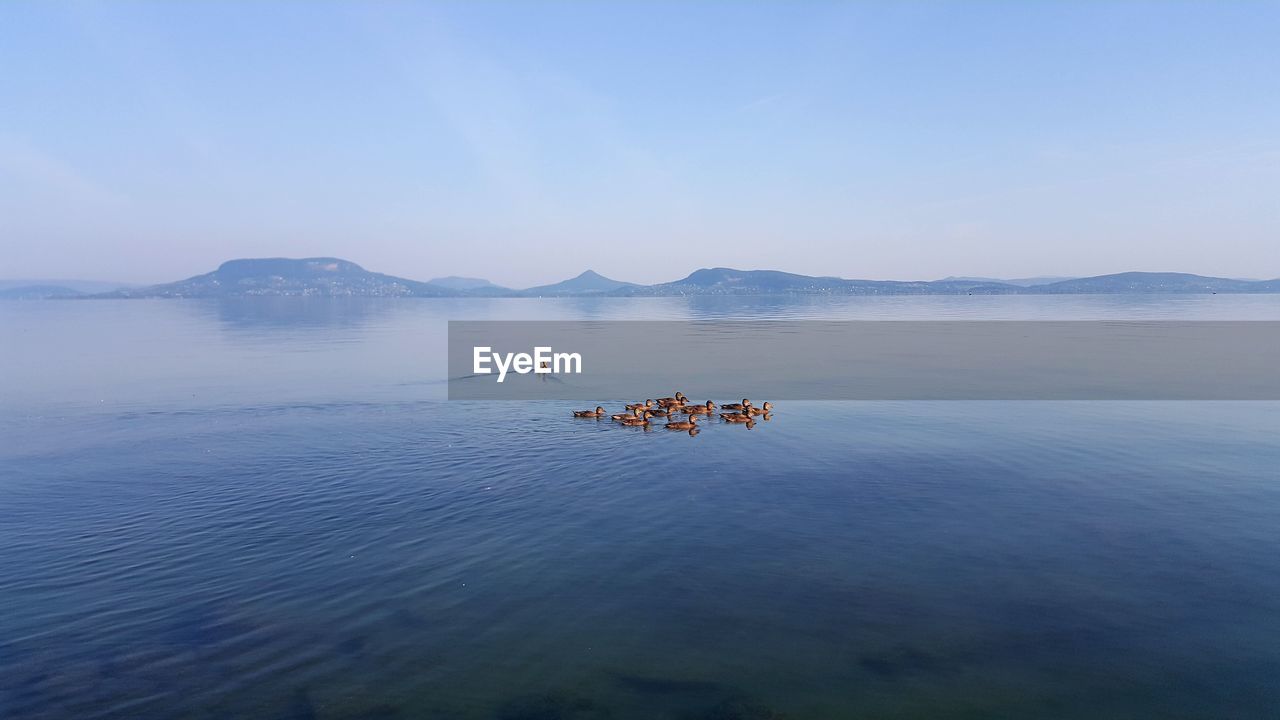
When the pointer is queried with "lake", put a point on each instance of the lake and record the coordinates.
(267, 508)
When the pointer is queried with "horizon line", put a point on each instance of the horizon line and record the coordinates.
(959, 277)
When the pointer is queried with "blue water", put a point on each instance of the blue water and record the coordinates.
(266, 509)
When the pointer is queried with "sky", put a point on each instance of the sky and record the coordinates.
(524, 142)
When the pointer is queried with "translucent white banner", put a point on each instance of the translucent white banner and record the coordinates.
(865, 360)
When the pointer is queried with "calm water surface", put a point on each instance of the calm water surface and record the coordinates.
(267, 509)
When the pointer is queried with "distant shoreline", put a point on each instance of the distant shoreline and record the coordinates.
(334, 277)
(612, 296)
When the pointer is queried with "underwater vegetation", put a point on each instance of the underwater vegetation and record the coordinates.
(710, 701)
(903, 661)
(557, 705)
(668, 686)
(739, 709)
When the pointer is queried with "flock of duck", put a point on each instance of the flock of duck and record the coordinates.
(671, 408)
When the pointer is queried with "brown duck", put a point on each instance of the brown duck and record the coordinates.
(678, 400)
(598, 412)
(699, 409)
(689, 424)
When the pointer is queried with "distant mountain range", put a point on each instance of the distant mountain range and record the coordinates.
(453, 282)
(1023, 282)
(334, 277)
(286, 276)
(38, 289)
(38, 292)
(588, 283)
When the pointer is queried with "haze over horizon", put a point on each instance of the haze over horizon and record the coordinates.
(147, 142)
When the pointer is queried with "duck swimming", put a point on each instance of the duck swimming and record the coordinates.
(762, 410)
(598, 412)
(699, 409)
(641, 418)
(642, 406)
(628, 415)
(738, 406)
(689, 424)
(679, 399)
(735, 417)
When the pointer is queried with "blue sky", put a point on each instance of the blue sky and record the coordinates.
(524, 142)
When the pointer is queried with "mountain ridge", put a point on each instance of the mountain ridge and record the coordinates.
(335, 277)
(589, 282)
(456, 282)
(318, 276)
(38, 292)
(1023, 282)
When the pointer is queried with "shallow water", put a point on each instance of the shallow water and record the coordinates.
(267, 509)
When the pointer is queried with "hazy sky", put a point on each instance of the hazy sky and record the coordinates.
(524, 142)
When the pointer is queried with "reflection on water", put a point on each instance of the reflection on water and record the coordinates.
(264, 314)
(313, 535)
(111, 355)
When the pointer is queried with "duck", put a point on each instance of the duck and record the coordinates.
(661, 412)
(641, 418)
(689, 424)
(598, 412)
(735, 417)
(679, 399)
(738, 406)
(629, 415)
(699, 409)
(642, 406)
(762, 410)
